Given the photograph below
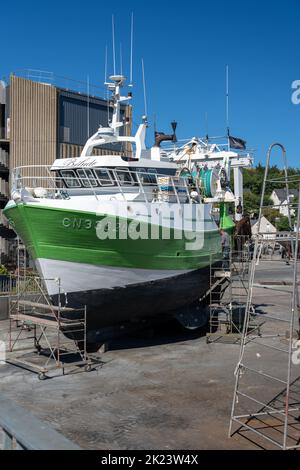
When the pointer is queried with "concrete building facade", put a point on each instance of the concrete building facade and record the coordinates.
(5, 233)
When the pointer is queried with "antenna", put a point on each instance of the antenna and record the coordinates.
(107, 100)
(88, 105)
(105, 69)
(113, 42)
(121, 59)
(131, 52)
(144, 87)
(227, 99)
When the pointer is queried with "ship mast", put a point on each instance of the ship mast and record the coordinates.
(111, 134)
(115, 86)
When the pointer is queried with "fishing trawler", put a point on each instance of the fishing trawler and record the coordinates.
(128, 236)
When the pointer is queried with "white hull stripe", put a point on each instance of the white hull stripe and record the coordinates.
(76, 277)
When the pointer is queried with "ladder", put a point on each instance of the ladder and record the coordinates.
(228, 297)
(266, 399)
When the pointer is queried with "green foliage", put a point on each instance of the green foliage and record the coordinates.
(283, 224)
(253, 179)
(272, 215)
(252, 203)
(3, 270)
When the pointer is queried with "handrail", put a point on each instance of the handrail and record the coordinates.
(16, 422)
(116, 179)
(90, 183)
(141, 187)
(41, 184)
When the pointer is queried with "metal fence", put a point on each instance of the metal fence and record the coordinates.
(10, 285)
(7, 285)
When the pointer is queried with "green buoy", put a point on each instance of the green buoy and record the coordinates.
(226, 222)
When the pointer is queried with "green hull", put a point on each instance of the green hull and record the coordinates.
(69, 235)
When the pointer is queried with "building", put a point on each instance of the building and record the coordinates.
(279, 199)
(41, 119)
(266, 228)
(5, 233)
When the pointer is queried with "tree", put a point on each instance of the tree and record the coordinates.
(253, 179)
(283, 224)
(252, 203)
(3, 270)
(273, 215)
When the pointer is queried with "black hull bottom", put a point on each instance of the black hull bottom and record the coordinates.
(112, 307)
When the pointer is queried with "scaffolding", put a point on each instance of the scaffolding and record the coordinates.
(229, 283)
(55, 334)
(266, 401)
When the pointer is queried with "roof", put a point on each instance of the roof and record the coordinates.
(264, 222)
(281, 193)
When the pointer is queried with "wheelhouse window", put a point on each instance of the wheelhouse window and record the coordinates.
(104, 177)
(70, 179)
(142, 175)
(124, 176)
(87, 178)
(152, 172)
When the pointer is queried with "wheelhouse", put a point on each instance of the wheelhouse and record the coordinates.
(109, 177)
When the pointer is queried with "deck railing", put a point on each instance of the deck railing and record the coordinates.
(150, 186)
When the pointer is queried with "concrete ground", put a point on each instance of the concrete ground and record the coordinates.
(163, 388)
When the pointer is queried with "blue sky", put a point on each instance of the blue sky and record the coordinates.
(186, 46)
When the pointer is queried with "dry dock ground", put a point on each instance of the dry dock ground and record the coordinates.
(164, 390)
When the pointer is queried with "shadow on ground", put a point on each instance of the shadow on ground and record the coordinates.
(155, 334)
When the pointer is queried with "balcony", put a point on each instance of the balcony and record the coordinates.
(5, 230)
(4, 189)
(4, 160)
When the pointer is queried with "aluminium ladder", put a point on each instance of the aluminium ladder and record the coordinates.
(266, 401)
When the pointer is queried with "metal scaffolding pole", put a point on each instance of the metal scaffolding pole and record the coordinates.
(56, 335)
(228, 294)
